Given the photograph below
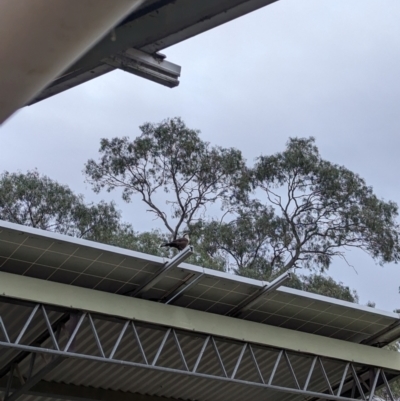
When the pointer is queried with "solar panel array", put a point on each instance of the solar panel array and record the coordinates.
(49, 256)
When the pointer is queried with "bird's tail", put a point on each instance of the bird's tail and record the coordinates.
(166, 244)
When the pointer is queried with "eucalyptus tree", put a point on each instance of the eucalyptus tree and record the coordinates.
(292, 209)
(302, 213)
(37, 201)
(171, 159)
(149, 242)
(324, 209)
(323, 285)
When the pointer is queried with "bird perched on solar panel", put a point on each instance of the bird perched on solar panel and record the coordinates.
(179, 243)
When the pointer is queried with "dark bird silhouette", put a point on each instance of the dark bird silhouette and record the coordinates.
(179, 243)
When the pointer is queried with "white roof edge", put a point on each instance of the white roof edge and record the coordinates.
(193, 268)
(339, 302)
(79, 241)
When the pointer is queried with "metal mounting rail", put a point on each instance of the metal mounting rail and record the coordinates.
(175, 261)
(195, 355)
(268, 288)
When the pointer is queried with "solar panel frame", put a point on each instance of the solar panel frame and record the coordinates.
(55, 257)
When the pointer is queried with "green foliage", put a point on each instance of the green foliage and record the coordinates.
(310, 210)
(172, 158)
(320, 209)
(243, 240)
(326, 206)
(145, 242)
(35, 200)
(290, 210)
(38, 201)
(149, 242)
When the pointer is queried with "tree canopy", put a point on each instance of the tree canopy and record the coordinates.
(292, 209)
(35, 200)
(297, 210)
(323, 285)
(171, 158)
(324, 208)
(149, 242)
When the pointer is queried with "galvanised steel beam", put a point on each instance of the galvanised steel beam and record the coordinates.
(151, 67)
(39, 340)
(184, 287)
(348, 376)
(166, 23)
(62, 295)
(174, 262)
(152, 28)
(267, 289)
(17, 393)
(385, 336)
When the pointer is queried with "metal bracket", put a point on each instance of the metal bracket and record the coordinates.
(152, 67)
(252, 299)
(175, 261)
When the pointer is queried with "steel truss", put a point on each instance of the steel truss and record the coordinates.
(195, 355)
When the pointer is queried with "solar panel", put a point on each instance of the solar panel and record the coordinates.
(54, 257)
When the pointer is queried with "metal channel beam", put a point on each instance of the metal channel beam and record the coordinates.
(211, 14)
(151, 29)
(133, 61)
(66, 296)
(174, 262)
(153, 68)
(267, 289)
(188, 284)
(385, 336)
(267, 377)
(167, 25)
(38, 341)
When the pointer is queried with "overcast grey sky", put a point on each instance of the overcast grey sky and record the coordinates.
(295, 68)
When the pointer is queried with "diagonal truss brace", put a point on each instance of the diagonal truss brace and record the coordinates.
(8, 369)
(352, 385)
(32, 380)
